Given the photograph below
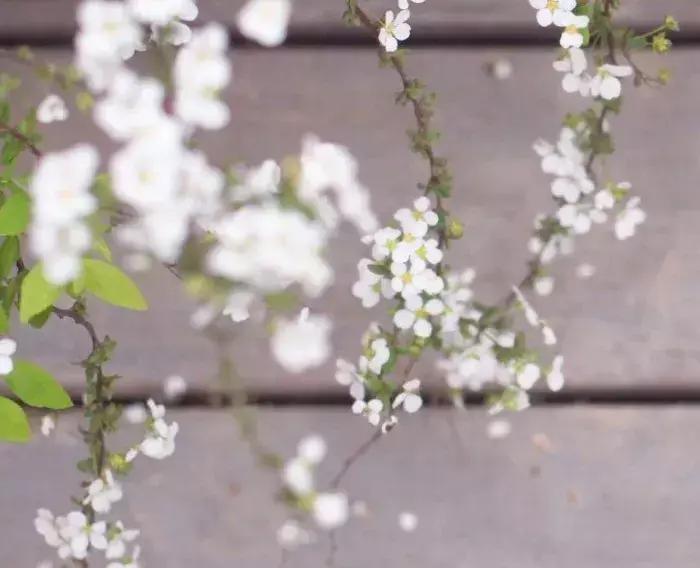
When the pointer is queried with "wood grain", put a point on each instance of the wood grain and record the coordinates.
(616, 486)
(36, 17)
(635, 322)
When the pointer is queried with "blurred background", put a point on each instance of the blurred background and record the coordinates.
(603, 473)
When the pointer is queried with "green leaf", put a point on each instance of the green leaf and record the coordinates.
(14, 426)
(103, 248)
(9, 254)
(10, 150)
(39, 320)
(36, 294)
(110, 284)
(4, 322)
(14, 215)
(36, 387)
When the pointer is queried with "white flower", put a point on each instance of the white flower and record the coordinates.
(291, 535)
(202, 69)
(370, 287)
(326, 166)
(555, 378)
(416, 315)
(297, 476)
(408, 397)
(606, 83)
(628, 219)
(585, 270)
(604, 199)
(573, 66)
(160, 441)
(394, 29)
(498, 429)
(312, 449)
(544, 285)
(116, 548)
(571, 36)
(380, 355)
(51, 109)
(372, 410)
(403, 4)
(528, 376)
(103, 492)
(238, 306)
(79, 535)
(552, 11)
(174, 386)
(160, 12)
(408, 521)
(131, 563)
(47, 424)
(7, 350)
(46, 525)
(345, 373)
(107, 33)
(330, 510)
(385, 242)
(135, 414)
(61, 183)
(301, 345)
(265, 21)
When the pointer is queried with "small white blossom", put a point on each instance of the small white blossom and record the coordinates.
(174, 386)
(297, 476)
(416, 315)
(372, 410)
(498, 429)
(394, 29)
(51, 109)
(312, 449)
(628, 219)
(330, 510)
(48, 424)
(265, 21)
(103, 492)
(606, 83)
(7, 350)
(409, 398)
(555, 378)
(301, 345)
(408, 521)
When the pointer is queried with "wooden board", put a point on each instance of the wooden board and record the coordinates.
(634, 323)
(32, 19)
(620, 486)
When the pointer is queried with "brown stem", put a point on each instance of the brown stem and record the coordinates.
(22, 138)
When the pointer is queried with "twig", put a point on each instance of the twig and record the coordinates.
(22, 138)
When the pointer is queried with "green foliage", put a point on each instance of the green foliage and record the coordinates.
(14, 215)
(9, 255)
(36, 294)
(110, 284)
(14, 426)
(36, 387)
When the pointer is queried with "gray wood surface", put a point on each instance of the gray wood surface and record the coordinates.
(633, 323)
(34, 17)
(619, 487)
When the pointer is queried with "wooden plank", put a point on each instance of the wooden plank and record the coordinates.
(633, 323)
(37, 17)
(619, 486)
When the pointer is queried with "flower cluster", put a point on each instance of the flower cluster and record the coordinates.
(581, 205)
(329, 510)
(73, 535)
(605, 82)
(59, 234)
